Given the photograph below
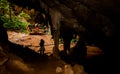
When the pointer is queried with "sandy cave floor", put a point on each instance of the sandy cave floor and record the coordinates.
(32, 41)
(17, 66)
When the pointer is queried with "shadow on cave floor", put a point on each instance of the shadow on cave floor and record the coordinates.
(44, 64)
(92, 65)
(23, 52)
(95, 65)
(27, 61)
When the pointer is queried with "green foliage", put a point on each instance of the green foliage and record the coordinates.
(5, 18)
(4, 4)
(11, 21)
(15, 23)
(73, 40)
(60, 40)
(26, 16)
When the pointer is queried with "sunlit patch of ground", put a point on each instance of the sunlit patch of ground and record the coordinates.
(32, 41)
(16, 65)
(93, 51)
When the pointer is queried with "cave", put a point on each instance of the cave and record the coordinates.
(91, 22)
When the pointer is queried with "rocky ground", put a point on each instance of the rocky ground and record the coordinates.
(13, 64)
(32, 41)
